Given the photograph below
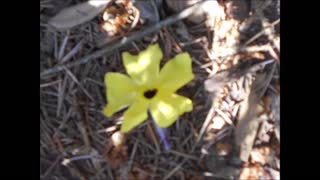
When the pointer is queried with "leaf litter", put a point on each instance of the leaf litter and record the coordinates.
(219, 139)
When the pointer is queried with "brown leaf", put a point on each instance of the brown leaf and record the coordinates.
(116, 151)
(261, 155)
(147, 11)
(254, 173)
(223, 149)
(78, 14)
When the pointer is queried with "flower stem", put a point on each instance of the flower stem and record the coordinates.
(162, 133)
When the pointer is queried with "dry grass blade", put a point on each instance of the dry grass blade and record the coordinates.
(261, 33)
(72, 52)
(184, 155)
(47, 172)
(206, 123)
(49, 84)
(224, 116)
(153, 137)
(171, 173)
(61, 93)
(63, 46)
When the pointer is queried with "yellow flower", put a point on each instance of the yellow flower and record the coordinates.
(148, 88)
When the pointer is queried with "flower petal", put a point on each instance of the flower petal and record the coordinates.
(166, 110)
(121, 91)
(144, 67)
(135, 115)
(175, 73)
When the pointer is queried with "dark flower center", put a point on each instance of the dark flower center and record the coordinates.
(150, 93)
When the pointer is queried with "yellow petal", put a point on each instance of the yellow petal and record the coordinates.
(166, 110)
(144, 67)
(121, 91)
(175, 73)
(135, 115)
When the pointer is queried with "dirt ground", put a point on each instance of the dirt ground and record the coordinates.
(233, 131)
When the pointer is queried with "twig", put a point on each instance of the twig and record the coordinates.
(225, 117)
(66, 161)
(132, 155)
(173, 171)
(50, 83)
(61, 93)
(63, 46)
(184, 155)
(261, 33)
(125, 40)
(136, 18)
(206, 123)
(154, 139)
(55, 46)
(72, 52)
(84, 134)
(52, 166)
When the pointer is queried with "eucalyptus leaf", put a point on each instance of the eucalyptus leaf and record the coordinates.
(78, 14)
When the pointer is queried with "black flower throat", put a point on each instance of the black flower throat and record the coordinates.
(149, 94)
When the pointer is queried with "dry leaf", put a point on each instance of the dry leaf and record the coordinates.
(147, 11)
(78, 14)
(265, 128)
(254, 173)
(116, 151)
(274, 173)
(223, 149)
(261, 155)
(248, 122)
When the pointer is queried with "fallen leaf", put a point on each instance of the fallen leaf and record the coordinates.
(147, 11)
(253, 173)
(260, 155)
(265, 128)
(274, 173)
(248, 120)
(223, 149)
(116, 151)
(78, 14)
